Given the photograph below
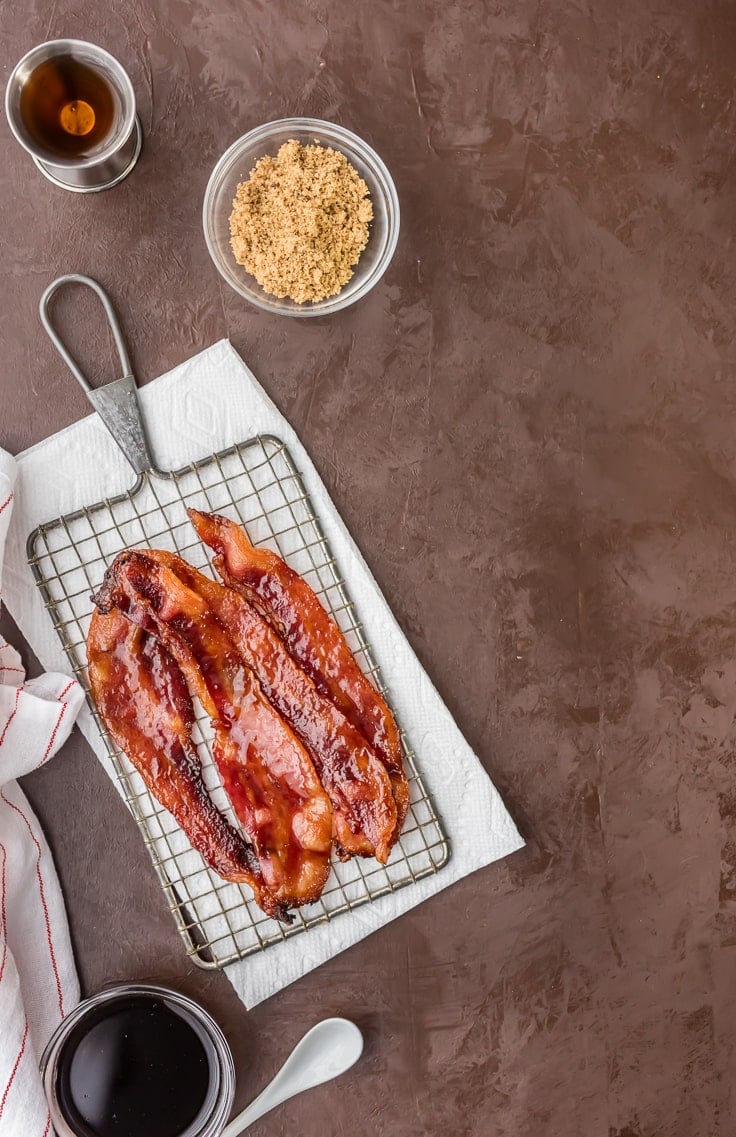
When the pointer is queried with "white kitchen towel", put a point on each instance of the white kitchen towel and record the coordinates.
(38, 980)
(203, 406)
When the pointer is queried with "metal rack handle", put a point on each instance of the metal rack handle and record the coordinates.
(117, 402)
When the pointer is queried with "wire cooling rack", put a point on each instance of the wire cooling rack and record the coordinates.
(256, 483)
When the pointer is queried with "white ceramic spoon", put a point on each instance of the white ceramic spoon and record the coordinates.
(328, 1049)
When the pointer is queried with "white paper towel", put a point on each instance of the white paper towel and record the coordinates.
(203, 406)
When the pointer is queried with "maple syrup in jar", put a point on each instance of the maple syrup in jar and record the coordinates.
(138, 1061)
(67, 107)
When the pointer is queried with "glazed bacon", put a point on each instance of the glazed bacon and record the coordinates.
(265, 770)
(143, 701)
(364, 812)
(311, 636)
(293, 715)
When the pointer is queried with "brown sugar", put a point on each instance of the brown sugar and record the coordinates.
(300, 222)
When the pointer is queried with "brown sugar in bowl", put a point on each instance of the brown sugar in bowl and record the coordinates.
(234, 168)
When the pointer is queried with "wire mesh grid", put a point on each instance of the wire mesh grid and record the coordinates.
(256, 483)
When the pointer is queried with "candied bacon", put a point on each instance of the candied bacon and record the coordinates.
(266, 771)
(364, 812)
(311, 636)
(144, 703)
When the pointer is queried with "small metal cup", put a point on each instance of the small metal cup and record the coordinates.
(113, 158)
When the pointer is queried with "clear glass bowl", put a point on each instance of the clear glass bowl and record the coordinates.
(234, 167)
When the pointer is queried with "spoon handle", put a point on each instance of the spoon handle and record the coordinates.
(260, 1105)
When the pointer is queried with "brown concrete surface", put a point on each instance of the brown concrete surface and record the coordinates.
(530, 428)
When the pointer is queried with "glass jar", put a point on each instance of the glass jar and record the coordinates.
(138, 1058)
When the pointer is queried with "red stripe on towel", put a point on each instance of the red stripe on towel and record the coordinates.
(55, 731)
(3, 916)
(18, 692)
(43, 900)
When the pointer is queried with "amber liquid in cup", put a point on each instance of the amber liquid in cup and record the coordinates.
(67, 107)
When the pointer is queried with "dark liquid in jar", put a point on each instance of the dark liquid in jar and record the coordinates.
(135, 1067)
(67, 107)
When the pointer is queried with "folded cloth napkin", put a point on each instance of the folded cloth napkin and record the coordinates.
(38, 981)
(208, 403)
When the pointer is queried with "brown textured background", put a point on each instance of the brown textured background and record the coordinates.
(529, 429)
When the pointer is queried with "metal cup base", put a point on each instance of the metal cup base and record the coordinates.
(53, 172)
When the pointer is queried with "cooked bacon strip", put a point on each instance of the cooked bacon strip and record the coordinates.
(266, 772)
(311, 636)
(364, 813)
(143, 701)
